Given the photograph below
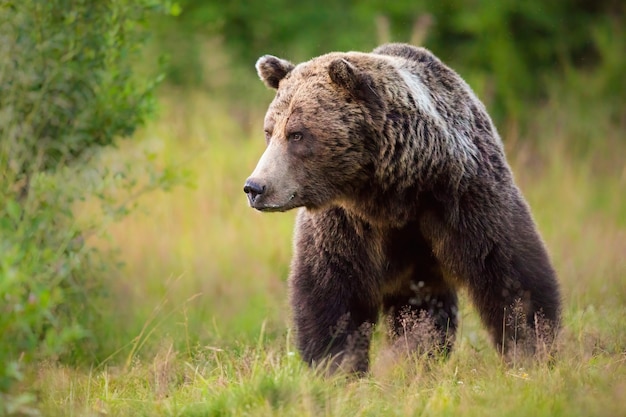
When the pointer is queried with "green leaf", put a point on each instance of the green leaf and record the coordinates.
(175, 9)
(14, 210)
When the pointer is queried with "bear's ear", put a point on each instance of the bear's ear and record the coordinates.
(347, 76)
(271, 70)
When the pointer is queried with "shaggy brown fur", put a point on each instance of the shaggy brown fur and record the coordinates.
(406, 196)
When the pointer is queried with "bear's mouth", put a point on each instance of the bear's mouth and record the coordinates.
(269, 207)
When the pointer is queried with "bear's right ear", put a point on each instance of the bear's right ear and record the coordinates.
(271, 70)
(347, 76)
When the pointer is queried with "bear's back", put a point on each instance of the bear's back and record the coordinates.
(413, 53)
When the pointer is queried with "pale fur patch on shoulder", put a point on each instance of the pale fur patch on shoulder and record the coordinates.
(459, 142)
(421, 95)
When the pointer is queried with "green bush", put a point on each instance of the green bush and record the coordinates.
(42, 278)
(67, 88)
(66, 79)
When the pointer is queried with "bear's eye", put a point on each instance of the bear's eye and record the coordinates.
(296, 136)
(268, 135)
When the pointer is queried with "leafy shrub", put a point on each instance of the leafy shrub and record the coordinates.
(67, 88)
(42, 270)
(66, 79)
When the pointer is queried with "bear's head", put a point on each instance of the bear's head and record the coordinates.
(319, 132)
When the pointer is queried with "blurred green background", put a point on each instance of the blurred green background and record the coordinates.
(511, 52)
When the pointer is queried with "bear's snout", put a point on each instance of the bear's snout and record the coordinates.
(253, 189)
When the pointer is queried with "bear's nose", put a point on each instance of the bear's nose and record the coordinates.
(253, 189)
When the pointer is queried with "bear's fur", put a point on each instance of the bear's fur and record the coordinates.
(406, 196)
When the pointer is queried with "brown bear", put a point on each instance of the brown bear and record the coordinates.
(405, 197)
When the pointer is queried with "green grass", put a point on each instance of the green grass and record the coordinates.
(199, 323)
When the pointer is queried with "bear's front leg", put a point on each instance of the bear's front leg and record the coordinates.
(334, 294)
(493, 247)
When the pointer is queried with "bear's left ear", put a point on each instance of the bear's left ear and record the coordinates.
(347, 76)
(271, 70)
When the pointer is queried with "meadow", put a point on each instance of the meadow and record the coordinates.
(197, 315)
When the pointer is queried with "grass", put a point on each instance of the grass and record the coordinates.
(198, 318)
